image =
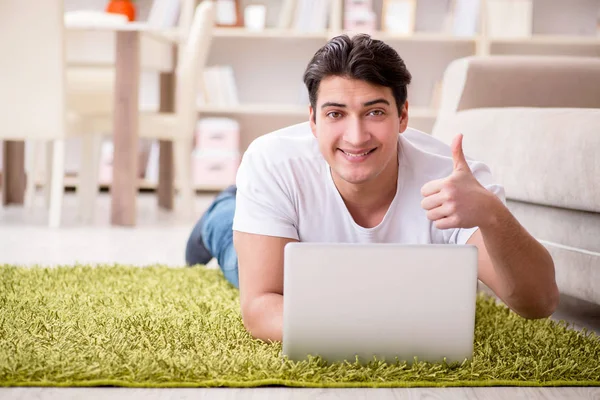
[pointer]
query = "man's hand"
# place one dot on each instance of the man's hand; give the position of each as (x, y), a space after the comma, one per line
(459, 200)
(510, 261)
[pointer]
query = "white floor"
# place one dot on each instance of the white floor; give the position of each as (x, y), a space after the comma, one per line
(160, 237)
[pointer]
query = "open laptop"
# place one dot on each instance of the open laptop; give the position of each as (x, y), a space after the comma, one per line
(343, 301)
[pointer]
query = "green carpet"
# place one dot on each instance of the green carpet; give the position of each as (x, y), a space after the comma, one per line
(181, 327)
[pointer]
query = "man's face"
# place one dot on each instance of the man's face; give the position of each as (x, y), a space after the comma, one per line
(357, 126)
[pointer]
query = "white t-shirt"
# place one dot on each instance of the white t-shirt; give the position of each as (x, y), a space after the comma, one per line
(285, 189)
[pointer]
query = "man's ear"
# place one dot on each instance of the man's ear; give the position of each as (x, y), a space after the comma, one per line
(313, 124)
(404, 117)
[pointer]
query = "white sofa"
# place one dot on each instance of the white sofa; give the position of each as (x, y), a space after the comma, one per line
(535, 120)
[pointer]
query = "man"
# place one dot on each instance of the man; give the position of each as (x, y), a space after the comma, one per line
(349, 176)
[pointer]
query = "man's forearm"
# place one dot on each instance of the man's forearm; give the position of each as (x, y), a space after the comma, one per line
(525, 267)
(264, 319)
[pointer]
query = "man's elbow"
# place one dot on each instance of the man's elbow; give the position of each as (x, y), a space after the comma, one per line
(249, 318)
(263, 317)
(542, 306)
(253, 321)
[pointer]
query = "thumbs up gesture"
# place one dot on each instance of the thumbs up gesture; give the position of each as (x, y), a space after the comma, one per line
(459, 200)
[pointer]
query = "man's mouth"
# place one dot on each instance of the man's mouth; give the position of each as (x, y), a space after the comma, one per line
(358, 154)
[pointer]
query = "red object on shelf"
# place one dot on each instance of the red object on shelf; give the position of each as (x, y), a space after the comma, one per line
(124, 7)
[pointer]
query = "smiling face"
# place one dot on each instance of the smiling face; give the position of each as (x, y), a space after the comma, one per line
(356, 125)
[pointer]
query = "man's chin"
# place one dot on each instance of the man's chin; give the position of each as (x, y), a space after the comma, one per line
(355, 179)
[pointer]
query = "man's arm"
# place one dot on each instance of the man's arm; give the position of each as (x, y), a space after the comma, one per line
(511, 262)
(260, 266)
(515, 265)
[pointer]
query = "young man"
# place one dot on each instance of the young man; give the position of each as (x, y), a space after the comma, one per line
(349, 176)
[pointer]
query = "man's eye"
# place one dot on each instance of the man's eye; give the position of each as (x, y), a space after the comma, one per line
(376, 112)
(334, 114)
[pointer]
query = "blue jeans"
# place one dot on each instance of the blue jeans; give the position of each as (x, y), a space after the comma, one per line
(214, 232)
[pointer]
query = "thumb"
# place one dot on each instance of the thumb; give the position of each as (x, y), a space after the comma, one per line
(460, 162)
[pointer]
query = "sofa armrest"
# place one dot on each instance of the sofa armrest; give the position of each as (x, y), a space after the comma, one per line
(548, 156)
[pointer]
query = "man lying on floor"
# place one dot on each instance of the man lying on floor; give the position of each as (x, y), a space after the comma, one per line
(348, 176)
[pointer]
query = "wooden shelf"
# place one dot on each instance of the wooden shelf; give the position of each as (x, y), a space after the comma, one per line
(425, 38)
(257, 109)
(550, 40)
(290, 110)
(242, 33)
(270, 33)
(418, 37)
(71, 182)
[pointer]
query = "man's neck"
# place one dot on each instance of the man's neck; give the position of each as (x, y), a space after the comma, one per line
(368, 202)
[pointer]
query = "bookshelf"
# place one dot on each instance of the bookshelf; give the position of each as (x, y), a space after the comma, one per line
(268, 64)
(269, 89)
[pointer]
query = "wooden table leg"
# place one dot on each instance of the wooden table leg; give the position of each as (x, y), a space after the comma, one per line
(166, 176)
(124, 184)
(165, 189)
(13, 172)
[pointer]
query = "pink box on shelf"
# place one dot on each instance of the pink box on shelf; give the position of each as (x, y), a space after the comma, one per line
(360, 22)
(215, 168)
(357, 5)
(218, 134)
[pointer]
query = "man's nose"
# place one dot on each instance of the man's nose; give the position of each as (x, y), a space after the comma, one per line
(356, 133)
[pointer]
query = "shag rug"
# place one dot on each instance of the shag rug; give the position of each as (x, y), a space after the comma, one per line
(181, 327)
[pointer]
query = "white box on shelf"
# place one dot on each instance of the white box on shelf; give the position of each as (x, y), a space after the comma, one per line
(255, 16)
(215, 168)
(398, 16)
(509, 18)
(218, 133)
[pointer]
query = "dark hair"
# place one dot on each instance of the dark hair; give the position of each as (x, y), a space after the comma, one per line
(359, 57)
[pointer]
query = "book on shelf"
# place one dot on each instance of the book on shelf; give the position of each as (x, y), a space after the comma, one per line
(286, 15)
(398, 16)
(305, 15)
(433, 16)
(218, 87)
(509, 18)
(465, 17)
(164, 13)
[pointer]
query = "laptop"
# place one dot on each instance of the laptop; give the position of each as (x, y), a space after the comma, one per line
(349, 302)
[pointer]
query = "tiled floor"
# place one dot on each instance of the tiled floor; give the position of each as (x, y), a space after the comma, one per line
(160, 237)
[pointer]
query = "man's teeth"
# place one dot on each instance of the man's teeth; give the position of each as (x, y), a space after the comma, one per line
(357, 155)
